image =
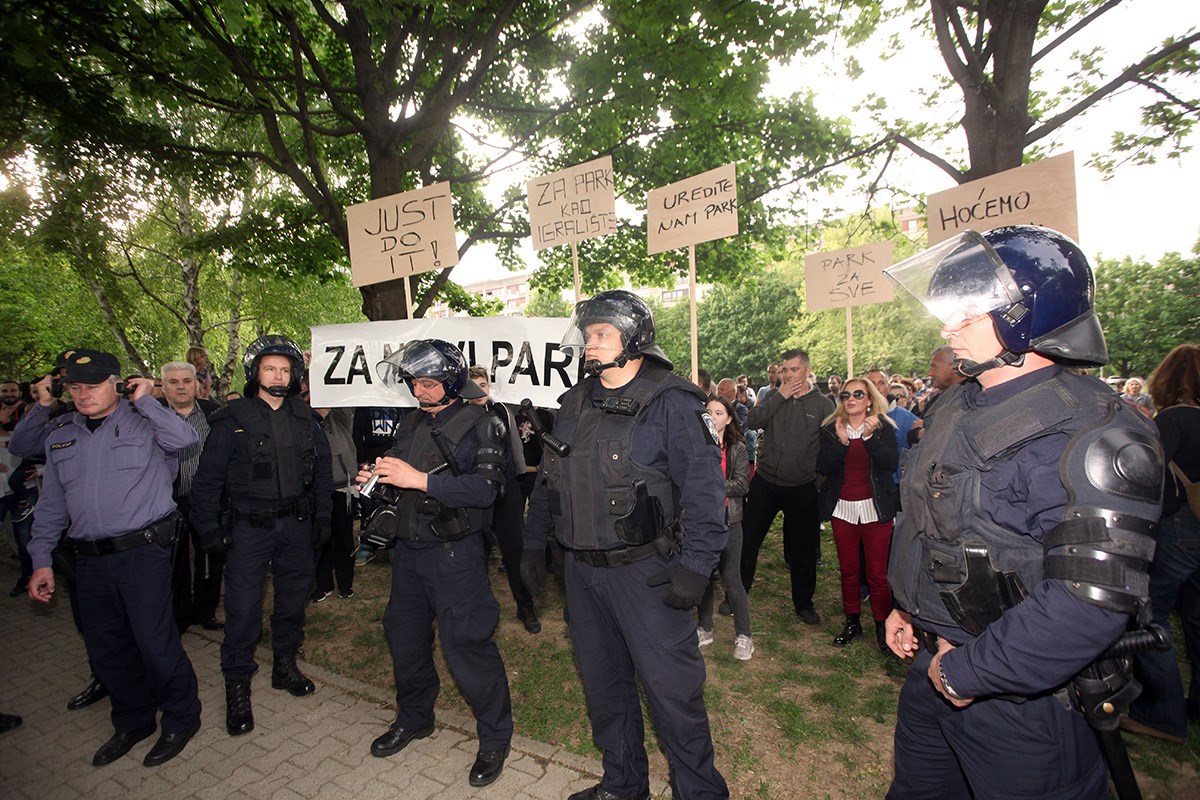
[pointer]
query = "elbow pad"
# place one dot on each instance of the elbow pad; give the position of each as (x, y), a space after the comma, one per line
(1102, 550)
(489, 459)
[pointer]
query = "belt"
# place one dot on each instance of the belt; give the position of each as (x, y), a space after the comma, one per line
(615, 558)
(265, 517)
(115, 544)
(928, 639)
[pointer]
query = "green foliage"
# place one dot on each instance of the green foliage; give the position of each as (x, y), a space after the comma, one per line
(1147, 309)
(547, 303)
(364, 99)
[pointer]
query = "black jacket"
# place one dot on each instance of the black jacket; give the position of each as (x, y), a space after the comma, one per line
(884, 453)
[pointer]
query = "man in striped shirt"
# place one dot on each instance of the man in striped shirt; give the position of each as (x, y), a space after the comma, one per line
(197, 591)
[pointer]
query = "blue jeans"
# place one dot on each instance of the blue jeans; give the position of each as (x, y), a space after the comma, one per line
(21, 531)
(1174, 579)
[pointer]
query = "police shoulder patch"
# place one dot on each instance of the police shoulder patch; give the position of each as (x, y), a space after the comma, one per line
(709, 427)
(61, 445)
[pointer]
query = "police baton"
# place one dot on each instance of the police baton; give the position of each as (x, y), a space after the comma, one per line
(539, 430)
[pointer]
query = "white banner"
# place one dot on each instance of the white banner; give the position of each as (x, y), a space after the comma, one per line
(520, 353)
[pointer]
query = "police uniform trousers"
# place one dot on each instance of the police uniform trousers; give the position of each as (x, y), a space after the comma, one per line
(622, 632)
(286, 548)
(447, 582)
(992, 748)
(124, 602)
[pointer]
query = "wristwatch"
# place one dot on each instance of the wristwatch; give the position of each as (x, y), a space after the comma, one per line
(946, 684)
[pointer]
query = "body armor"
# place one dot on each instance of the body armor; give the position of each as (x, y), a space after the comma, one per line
(953, 566)
(275, 457)
(420, 518)
(600, 498)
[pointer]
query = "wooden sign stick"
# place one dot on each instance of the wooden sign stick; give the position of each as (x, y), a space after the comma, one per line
(692, 303)
(849, 345)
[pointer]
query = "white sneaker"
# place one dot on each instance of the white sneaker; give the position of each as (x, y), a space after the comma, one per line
(703, 637)
(743, 647)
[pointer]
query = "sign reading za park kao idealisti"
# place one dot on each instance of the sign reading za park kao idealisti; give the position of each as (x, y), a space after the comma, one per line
(402, 234)
(694, 210)
(573, 204)
(1041, 193)
(521, 354)
(849, 277)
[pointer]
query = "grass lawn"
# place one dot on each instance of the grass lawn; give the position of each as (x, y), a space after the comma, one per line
(800, 720)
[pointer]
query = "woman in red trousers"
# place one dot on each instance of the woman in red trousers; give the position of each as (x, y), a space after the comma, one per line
(857, 457)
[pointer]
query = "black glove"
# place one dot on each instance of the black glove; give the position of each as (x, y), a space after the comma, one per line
(322, 533)
(533, 569)
(687, 587)
(214, 541)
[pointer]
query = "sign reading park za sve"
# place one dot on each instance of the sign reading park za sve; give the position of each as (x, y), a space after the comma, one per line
(849, 277)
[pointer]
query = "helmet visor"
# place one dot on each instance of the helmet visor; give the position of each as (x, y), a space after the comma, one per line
(412, 360)
(957, 279)
(589, 313)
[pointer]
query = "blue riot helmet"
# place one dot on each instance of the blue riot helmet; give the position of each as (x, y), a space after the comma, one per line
(1034, 283)
(430, 358)
(272, 345)
(626, 312)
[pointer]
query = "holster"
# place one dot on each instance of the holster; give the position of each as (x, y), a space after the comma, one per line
(985, 594)
(644, 522)
(166, 531)
(63, 558)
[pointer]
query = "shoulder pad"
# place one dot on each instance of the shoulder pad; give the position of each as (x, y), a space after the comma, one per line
(492, 429)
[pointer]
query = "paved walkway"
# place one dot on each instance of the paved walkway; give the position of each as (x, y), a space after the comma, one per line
(301, 748)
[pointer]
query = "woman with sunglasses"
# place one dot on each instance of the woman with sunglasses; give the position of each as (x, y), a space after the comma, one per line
(857, 457)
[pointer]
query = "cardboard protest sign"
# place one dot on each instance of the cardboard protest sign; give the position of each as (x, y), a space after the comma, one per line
(402, 234)
(849, 277)
(573, 204)
(697, 209)
(1041, 193)
(521, 354)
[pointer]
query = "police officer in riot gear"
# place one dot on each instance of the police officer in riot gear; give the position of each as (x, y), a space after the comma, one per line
(1031, 504)
(643, 454)
(267, 453)
(448, 464)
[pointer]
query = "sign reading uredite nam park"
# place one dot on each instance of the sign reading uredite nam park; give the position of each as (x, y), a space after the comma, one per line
(694, 210)
(402, 234)
(850, 277)
(573, 204)
(1041, 193)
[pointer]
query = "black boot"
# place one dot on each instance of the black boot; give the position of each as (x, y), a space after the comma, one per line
(286, 675)
(529, 618)
(850, 631)
(239, 718)
(881, 637)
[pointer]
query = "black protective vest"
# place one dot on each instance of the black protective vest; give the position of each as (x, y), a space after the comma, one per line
(595, 485)
(415, 510)
(1108, 469)
(275, 457)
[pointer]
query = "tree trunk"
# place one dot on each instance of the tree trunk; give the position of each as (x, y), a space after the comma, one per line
(235, 331)
(190, 268)
(116, 327)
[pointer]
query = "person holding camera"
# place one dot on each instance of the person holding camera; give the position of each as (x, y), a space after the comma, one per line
(109, 468)
(440, 481)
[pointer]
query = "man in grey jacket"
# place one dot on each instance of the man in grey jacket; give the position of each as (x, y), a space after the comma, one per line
(785, 479)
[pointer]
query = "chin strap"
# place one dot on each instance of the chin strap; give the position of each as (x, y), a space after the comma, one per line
(278, 391)
(594, 367)
(971, 369)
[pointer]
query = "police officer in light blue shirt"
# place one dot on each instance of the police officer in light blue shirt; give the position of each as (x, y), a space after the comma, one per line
(109, 468)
